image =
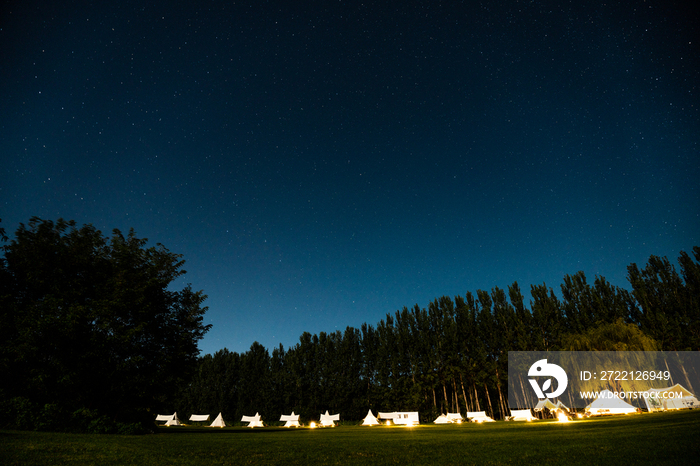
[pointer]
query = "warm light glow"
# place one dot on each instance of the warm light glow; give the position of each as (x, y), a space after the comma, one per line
(312, 425)
(562, 417)
(579, 415)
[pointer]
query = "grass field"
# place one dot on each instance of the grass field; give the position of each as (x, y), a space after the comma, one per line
(660, 438)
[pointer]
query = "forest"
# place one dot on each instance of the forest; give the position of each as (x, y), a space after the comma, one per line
(93, 338)
(453, 355)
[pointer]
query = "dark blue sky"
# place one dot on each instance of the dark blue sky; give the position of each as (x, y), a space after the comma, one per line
(322, 163)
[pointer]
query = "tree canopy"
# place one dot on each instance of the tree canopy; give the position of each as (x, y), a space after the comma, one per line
(90, 324)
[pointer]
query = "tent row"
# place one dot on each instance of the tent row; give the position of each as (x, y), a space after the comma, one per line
(410, 418)
(290, 420)
(607, 403)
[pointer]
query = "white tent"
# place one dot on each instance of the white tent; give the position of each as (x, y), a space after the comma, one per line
(449, 418)
(370, 420)
(676, 397)
(174, 421)
(291, 420)
(328, 420)
(609, 403)
(521, 415)
(199, 418)
(218, 422)
(164, 417)
(542, 404)
(408, 418)
(170, 419)
(478, 416)
(551, 407)
(253, 421)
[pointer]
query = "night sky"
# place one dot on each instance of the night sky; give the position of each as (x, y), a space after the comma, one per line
(320, 164)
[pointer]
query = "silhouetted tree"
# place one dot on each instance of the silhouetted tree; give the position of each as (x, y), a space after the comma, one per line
(90, 322)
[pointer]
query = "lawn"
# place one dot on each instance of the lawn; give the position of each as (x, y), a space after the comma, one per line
(660, 438)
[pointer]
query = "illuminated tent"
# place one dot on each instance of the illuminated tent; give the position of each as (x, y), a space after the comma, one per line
(170, 419)
(291, 420)
(163, 417)
(199, 418)
(218, 422)
(521, 415)
(253, 421)
(676, 397)
(328, 420)
(449, 418)
(542, 404)
(478, 416)
(174, 421)
(609, 403)
(370, 420)
(408, 418)
(551, 407)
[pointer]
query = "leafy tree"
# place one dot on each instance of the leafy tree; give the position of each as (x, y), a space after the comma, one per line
(614, 336)
(91, 322)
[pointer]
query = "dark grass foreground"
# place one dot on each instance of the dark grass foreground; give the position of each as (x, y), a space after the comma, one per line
(660, 438)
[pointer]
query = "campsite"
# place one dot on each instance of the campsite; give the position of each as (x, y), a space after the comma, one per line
(649, 438)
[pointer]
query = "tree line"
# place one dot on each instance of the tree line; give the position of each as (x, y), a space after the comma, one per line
(93, 337)
(452, 355)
